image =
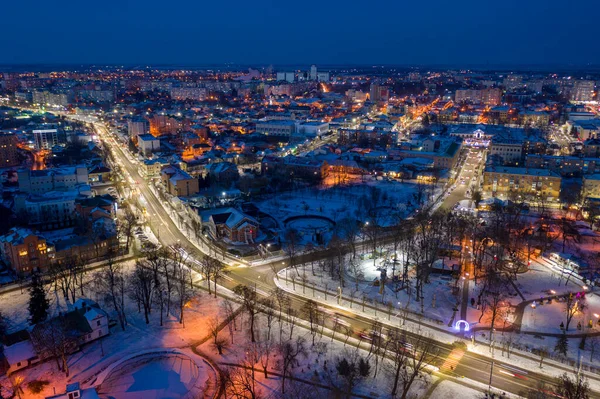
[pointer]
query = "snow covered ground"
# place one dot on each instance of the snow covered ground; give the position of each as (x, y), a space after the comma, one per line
(97, 355)
(396, 199)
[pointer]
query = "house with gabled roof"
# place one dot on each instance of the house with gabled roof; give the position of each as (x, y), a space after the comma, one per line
(233, 225)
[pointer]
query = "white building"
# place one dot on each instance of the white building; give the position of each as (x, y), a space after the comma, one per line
(189, 93)
(137, 127)
(313, 129)
(55, 209)
(148, 144)
(313, 72)
(511, 151)
(43, 181)
(45, 139)
(284, 128)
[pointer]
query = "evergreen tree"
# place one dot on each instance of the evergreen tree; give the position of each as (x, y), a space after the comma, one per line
(562, 345)
(582, 343)
(38, 303)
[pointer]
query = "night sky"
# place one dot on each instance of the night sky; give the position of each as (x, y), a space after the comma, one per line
(483, 32)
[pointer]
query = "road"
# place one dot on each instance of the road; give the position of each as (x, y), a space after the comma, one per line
(466, 179)
(469, 365)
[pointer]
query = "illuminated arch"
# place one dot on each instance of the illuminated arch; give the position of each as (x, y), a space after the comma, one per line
(461, 322)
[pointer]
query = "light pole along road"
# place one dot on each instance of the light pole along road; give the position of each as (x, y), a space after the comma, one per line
(472, 366)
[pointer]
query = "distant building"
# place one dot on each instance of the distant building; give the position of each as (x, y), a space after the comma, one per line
(583, 90)
(313, 72)
(137, 127)
(378, 93)
(485, 96)
(8, 150)
(313, 129)
(282, 128)
(189, 93)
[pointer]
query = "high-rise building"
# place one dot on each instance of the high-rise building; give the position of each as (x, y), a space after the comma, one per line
(290, 77)
(137, 127)
(8, 150)
(313, 72)
(378, 93)
(45, 139)
(583, 90)
(323, 76)
(486, 96)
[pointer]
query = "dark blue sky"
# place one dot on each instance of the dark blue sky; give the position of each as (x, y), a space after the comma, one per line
(463, 32)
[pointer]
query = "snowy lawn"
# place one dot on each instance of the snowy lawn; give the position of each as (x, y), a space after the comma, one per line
(97, 355)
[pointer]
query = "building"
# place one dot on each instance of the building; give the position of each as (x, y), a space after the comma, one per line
(367, 138)
(233, 225)
(152, 167)
(189, 93)
(179, 183)
(323, 77)
(583, 90)
(46, 98)
(85, 323)
(525, 183)
(148, 144)
(137, 127)
(295, 167)
(25, 251)
(313, 129)
(591, 186)
(50, 210)
(222, 172)
(73, 391)
(443, 153)
(485, 96)
(8, 150)
(99, 174)
(509, 151)
(54, 179)
(45, 139)
(313, 72)
(379, 93)
(278, 128)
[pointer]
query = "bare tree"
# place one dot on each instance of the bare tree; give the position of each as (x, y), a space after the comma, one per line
(573, 303)
(423, 353)
(110, 285)
(310, 311)
(230, 313)
(214, 328)
(142, 287)
(239, 381)
(290, 351)
(250, 303)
